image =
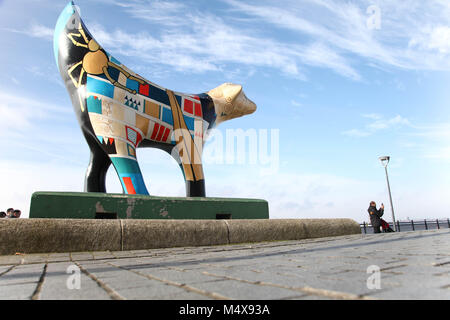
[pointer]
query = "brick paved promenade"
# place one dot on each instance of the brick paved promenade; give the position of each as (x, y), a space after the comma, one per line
(413, 265)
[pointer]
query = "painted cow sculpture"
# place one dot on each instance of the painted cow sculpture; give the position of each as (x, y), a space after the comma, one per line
(119, 111)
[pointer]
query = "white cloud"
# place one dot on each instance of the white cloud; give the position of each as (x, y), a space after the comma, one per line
(413, 34)
(326, 34)
(36, 128)
(356, 133)
(158, 12)
(296, 103)
(436, 145)
(440, 39)
(208, 47)
(40, 31)
(20, 113)
(379, 123)
(35, 30)
(438, 131)
(374, 116)
(434, 38)
(440, 154)
(201, 41)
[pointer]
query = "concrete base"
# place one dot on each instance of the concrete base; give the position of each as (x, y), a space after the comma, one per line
(76, 235)
(84, 205)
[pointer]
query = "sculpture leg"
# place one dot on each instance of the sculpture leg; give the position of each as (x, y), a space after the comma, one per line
(186, 152)
(194, 179)
(130, 175)
(195, 188)
(99, 163)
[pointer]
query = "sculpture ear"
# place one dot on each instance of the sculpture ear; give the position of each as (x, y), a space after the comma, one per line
(231, 92)
(227, 91)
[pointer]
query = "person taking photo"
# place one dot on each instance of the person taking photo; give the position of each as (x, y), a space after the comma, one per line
(375, 216)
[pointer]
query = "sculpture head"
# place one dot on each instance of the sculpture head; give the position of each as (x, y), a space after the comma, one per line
(230, 102)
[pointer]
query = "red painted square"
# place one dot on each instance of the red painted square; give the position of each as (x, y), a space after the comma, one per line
(166, 134)
(144, 89)
(160, 133)
(129, 185)
(155, 131)
(198, 109)
(188, 106)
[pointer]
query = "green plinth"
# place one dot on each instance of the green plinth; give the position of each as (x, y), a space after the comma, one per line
(89, 205)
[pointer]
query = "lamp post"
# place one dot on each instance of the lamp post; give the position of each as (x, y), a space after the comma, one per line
(384, 161)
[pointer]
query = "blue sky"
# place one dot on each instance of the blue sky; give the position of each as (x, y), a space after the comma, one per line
(340, 93)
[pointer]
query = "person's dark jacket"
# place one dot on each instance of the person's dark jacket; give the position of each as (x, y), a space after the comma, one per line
(375, 216)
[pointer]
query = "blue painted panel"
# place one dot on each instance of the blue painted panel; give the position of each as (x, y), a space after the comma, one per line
(114, 60)
(94, 105)
(128, 168)
(167, 116)
(133, 85)
(189, 122)
(125, 165)
(100, 87)
(60, 26)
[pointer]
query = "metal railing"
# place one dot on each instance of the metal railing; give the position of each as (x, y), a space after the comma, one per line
(412, 225)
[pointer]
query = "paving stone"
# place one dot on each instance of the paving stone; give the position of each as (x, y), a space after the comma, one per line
(123, 254)
(405, 293)
(184, 296)
(239, 290)
(10, 260)
(58, 258)
(22, 274)
(5, 268)
(57, 285)
(311, 297)
(20, 282)
(18, 291)
(103, 255)
(185, 277)
(154, 290)
(33, 258)
(82, 256)
(114, 277)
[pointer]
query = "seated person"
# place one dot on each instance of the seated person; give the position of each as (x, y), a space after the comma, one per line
(9, 212)
(16, 214)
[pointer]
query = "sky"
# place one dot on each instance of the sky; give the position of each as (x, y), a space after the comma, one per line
(337, 85)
